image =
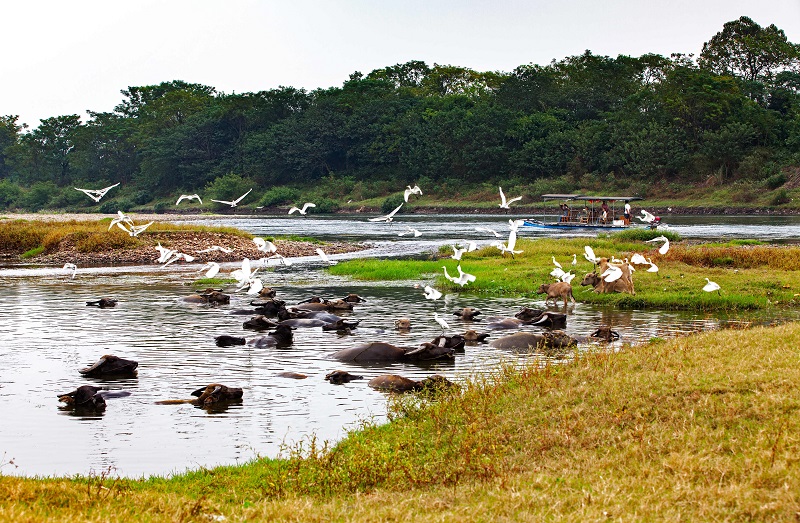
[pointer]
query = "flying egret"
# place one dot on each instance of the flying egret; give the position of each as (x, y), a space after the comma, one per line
(136, 230)
(613, 273)
(472, 246)
(244, 274)
(457, 253)
(411, 190)
(711, 287)
(589, 255)
(121, 218)
(234, 202)
(213, 269)
(638, 259)
(70, 267)
(264, 245)
(217, 248)
(283, 261)
(664, 248)
(556, 263)
(440, 321)
(166, 254)
(96, 194)
(646, 217)
(410, 230)
(389, 217)
(189, 197)
(325, 258)
(431, 293)
(178, 256)
(557, 273)
(463, 277)
(254, 286)
(504, 204)
(302, 210)
(567, 277)
(490, 231)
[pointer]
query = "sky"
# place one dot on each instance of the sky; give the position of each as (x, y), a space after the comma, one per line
(63, 58)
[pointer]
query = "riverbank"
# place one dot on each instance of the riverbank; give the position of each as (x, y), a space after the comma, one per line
(50, 239)
(699, 428)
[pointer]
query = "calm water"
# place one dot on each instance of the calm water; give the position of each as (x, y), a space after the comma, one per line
(47, 334)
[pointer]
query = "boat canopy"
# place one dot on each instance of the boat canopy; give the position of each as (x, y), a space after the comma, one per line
(589, 198)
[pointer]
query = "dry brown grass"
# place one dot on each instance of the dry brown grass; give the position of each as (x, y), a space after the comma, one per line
(784, 258)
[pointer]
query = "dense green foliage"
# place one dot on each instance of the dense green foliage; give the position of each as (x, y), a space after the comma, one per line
(587, 121)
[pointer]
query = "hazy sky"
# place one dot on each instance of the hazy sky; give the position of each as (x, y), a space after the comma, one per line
(64, 57)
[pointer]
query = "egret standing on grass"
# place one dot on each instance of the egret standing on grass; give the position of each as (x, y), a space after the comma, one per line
(711, 287)
(235, 202)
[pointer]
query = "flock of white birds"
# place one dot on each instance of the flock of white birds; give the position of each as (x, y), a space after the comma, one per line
(246, 279)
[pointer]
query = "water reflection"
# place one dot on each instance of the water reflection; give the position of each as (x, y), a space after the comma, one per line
(48, 333)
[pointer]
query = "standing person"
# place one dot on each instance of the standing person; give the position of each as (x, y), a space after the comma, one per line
(627, 213)
(604, 208)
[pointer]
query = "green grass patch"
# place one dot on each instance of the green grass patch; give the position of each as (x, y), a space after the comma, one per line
(213, 282)
(30, 253)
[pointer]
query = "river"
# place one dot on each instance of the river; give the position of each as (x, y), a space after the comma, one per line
(47, 334)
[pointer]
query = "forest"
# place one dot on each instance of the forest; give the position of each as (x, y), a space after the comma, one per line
(645, 125)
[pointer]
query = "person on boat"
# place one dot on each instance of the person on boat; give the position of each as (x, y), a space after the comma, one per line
(565, 211)
(627, 213)
(604, 215)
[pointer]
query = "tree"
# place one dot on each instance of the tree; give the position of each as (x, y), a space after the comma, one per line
(746, 50)
(9, 137)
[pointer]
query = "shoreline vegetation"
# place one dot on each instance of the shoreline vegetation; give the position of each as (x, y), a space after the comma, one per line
(699, 428)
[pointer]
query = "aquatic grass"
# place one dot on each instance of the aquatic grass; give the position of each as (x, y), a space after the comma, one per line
(30, 253)
(698, 428)
(758, 277)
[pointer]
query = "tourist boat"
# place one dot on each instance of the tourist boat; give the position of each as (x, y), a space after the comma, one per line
(581, 211)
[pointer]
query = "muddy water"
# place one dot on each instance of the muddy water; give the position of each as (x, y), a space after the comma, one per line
(47, 333)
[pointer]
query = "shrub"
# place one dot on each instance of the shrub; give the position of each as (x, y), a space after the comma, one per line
(642, 235)
(780, 197)
(390, 203)
(229, 187)
(279, 195)
(38, 196)
(112, 206)
(326, 205)
(142, 197)
(9, 194)
(775, 181)
(69, 197)
(160, 207)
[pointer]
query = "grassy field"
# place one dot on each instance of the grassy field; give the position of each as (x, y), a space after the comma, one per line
(700, 428)
(751, 275)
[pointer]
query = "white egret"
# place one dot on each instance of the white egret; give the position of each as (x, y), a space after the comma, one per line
(121, 218)
(653, 266)
(165, 254)
(213, 269)
(324, 257)
(431, 293)
(463, 277)
(178, 256)
(555, 262)
(264, 245)
(638, 259)
(446, 275)
(217, 248)
(302, 210)
(283, 261)
(189, 197)
(574, 259)
(472, 246)
(504, 204)
(711, 287)
(557, 273)
(490, 231)
(440, 321)
(457, 253)
(96, 194)
(136, 230)
(411, 190)
(234, 202)
(589, 255)
(664, 248)
(243, 275)
(389, 217)
(613, 273)
(410, 230)
(254, 286)
(70, 267)
(567, 277)
(646, 217)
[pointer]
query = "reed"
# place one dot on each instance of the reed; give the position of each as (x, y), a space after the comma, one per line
(699, 428)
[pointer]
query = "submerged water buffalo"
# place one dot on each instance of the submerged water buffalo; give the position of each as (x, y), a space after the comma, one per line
(467, 313)
(211, 296)
(338, 377)
(473, 336)
(89, 398)
(395, 383)
(496, 323)
(542, 318)
(281, 337)
(455, 342)
(535, 340)
(381, 351)
(209, 395)
(103, 303)
(270, 308)
(228, 341)
(110, 365)
(604, 333)
(260, 323)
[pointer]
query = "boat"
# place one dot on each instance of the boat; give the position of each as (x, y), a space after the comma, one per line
(592, 212)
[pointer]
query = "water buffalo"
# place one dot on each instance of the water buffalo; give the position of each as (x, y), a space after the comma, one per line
(381, 351)
(473, 336)
(110, 365)
(353, 298)
(269, 308)
(103, 303)
(84, 397)
(534, 340)
(212, 296)
(292, 375)
(542, 318)
(467, 313)
(495, 323)
(395, 383)
(402, 324)
(604, 333)
(259, 323)
(228, 341)
(455, 342)
(209, 395)
(339, 377)
(281, 337)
